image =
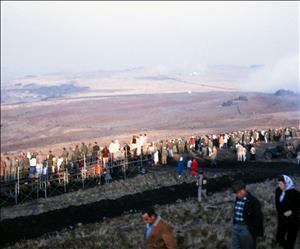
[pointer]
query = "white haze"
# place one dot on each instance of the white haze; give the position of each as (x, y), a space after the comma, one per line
(80, 36)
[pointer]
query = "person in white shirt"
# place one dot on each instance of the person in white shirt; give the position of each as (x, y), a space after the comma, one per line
(32, 169)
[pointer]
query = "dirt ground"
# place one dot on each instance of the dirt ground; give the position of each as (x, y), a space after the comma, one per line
(55, 124)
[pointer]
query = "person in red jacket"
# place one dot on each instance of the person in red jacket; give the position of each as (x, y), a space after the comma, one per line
(194, 168)
(105, 156)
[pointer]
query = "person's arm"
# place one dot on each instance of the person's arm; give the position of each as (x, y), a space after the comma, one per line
(169, 238)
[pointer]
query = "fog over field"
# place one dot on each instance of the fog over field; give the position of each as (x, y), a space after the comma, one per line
(254, 42)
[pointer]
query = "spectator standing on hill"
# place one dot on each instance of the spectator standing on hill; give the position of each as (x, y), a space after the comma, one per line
(83, 150)
(156, 157)
(39, 163)
(252, 153)
(105, 156)
(13, 169)
(96, 150)
(170, 149)
(7, 163)
(50, 157)
(247, 218)
(158, 233)
(70, 159)
(189, 166)
(194, 168)
(213, 156)
(164, 156)
(287, 200)
(2, 170)
(89, 154)
(32, 170)
(24, 164)
(107, 177)
(201, 183)
(65, 155)
(226, 137)
(221, 142)
(180, 167)
(76, 153)
(239, 152)
(298, 158)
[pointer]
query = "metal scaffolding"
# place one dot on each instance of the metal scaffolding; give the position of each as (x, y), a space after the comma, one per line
(25, 187)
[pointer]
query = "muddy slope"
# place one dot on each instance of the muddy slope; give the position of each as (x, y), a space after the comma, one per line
(13, 230)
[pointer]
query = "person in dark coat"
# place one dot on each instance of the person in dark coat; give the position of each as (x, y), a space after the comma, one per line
(247, 218)
(287, 200)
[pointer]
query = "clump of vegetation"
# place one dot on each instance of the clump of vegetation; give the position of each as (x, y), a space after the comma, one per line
(231, 102)
(242, 98)
(283, 92)
(227, 103)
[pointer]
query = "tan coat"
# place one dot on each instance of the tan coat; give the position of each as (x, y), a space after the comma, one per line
(161, 236)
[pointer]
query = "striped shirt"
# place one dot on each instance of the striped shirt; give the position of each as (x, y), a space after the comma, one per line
(238, 210)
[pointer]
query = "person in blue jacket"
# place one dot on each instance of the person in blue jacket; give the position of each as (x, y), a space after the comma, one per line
(180, 167)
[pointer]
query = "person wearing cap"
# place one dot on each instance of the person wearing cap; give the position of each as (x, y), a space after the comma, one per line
(247, 218)
(287, 200)
(158, 233)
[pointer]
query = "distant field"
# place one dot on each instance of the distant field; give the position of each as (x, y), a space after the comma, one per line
(53, 124)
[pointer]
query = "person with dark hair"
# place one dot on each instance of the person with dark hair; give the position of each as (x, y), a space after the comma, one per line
(247, 218)
(105, 156)
(158, 232)
(252, 152)
(96, 150)
(287, 200)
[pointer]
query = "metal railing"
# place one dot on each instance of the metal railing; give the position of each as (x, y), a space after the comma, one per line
(80, 174)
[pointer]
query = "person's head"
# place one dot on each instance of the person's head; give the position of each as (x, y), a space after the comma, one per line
(149, 215)
(239, 189)
(284, 182)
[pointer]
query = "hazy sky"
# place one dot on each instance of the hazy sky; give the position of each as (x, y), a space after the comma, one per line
(44, 37)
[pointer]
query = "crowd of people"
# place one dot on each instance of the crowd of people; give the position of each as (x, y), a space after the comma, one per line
(35, 164)
(247, 217)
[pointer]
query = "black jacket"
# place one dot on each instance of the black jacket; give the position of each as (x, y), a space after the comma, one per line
(253, 216)
(291, 202)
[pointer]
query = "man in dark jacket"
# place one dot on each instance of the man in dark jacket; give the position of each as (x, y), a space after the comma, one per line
(247, 218)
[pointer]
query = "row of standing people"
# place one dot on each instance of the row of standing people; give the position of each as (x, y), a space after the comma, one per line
(162, 150)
